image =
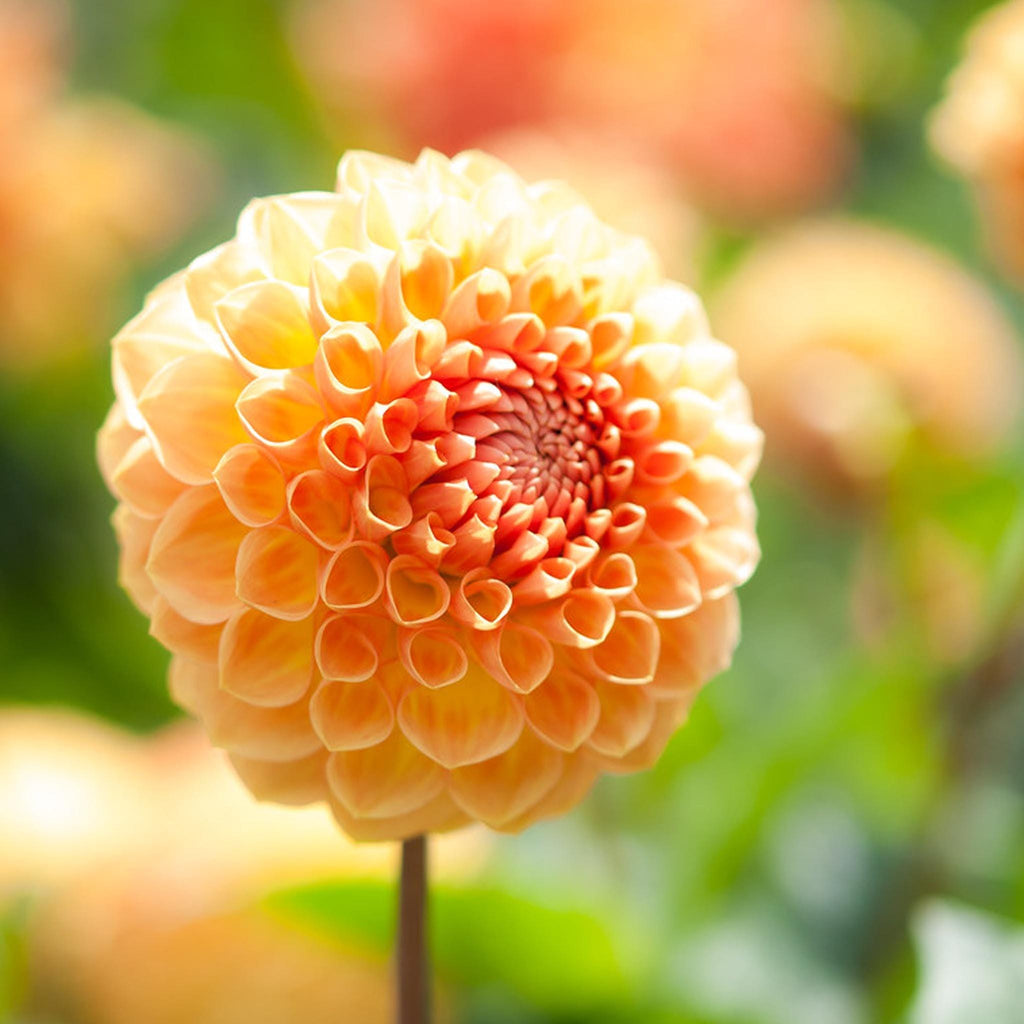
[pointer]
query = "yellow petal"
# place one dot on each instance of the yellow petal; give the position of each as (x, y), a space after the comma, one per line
(414, 594)
(319, 506)
(266, 326)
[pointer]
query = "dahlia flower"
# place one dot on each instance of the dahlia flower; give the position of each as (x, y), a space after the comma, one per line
(436, 491)
(87, 186)
(979, 127)
(737, 98)
(854, 338)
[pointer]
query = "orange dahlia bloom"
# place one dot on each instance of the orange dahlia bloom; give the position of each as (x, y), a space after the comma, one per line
(86, 187)
(437, 492)
(854, 339)
(979, 127)
(737, 98)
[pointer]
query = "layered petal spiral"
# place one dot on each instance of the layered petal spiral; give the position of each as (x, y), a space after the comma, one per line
(437, 492)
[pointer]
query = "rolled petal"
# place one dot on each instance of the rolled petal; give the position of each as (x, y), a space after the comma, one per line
(276, 572)
(516, 656)
(582, 619)
(341, 449)
(319, 508)
(481, 601)
(381, 503)
(349, 647)
(348, 368)
(414, 594)
(354, 577)
(469, 721)
(192, 556)
(432, 655)
(345, 286)
(265, 661)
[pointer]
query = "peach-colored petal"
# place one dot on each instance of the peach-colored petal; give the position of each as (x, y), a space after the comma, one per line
(578, 774)
(469, 721)
(386, 780)
(481, 601)
(265, 661)
(282, 413)
(414, 594)
(516, 656)
(192, 640)
(440, 815)
(341, 449)
(201, 390)
(348, 368)
(318, 504)
(252, 485)
(348, 647)
(294, 783)
(667, 585)
(627, 714)
(354, 577)
(582, 619)
(263, 734)
(277, 572)
(266, 326)
(351, 715)
(345, 286)
(564, 710)
(432, 655)
(501, 788)
(135, 536)
(142, 482)
(192, 557)
(425, 538)
(381, 504)
(630, 653)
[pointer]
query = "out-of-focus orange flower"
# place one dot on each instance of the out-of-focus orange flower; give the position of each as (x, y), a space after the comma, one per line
(737, 97)
(853, 338)
(86, 187)
(624, 189)
(437, 492)
(141, 855)
(979, 127)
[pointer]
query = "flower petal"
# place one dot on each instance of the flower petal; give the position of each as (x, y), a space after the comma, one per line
(276, 572)
(264, 660)
(351, 716)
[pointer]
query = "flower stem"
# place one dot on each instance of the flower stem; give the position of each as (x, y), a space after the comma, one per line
(413, 983)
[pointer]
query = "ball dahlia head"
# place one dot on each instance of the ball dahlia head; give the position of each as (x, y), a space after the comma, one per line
(437, 492)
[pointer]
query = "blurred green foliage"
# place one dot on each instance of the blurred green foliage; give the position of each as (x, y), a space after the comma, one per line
(767, 870)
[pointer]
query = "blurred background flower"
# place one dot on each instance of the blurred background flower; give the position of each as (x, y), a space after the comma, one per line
(838, 833)
(738, 98)
(87, 188)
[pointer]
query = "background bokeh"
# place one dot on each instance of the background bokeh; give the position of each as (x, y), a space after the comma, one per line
(837, 835)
